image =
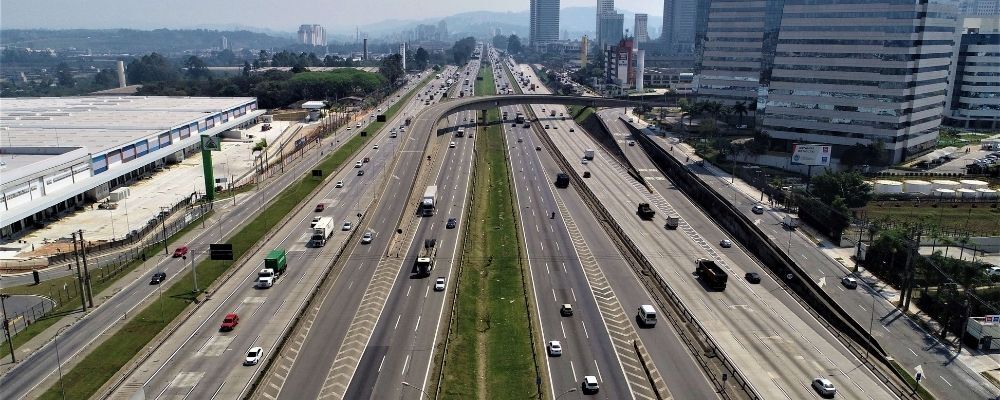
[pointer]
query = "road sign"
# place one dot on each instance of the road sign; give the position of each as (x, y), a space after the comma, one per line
(992, 319)
(811, 154)
(211, 143)
(220, 251)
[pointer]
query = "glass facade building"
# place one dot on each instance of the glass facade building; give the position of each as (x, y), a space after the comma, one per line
(544, 23)
(840, 72)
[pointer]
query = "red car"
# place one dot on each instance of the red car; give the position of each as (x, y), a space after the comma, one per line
(320, 207)
(180, 251)
(230, 322)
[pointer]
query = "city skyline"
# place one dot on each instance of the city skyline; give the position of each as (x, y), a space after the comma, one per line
(22, 14)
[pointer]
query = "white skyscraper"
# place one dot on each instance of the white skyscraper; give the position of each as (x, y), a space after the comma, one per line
(604, 7)
(544, 24)
(641, 33)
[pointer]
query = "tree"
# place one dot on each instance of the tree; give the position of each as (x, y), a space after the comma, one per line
(226, 57)
(514, 45)
(392, 68)
(420, 58)
(151, 68)
(500, 41)
(461, 51)
(106, 78)
(246, 68)
(196, 68)
(64, 76)
(849, 186)
(741, 110)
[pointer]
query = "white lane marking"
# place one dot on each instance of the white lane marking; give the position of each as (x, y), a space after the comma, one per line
(574, 371)
(585, 333)
(397, 322)
(380, 364)
(598, 371)
(554, 296)
(408, 290)
(405, 363)
(417, 326)
(573, 292)
(946, 381)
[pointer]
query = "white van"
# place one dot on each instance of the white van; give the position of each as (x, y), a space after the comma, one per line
(646, 315)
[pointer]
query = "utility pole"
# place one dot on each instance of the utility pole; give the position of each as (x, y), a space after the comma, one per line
(86, 272)
(163, 223)
(6, 326)
(79, 275)
(194, 272)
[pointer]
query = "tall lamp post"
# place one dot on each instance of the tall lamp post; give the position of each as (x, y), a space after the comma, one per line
(565, 393)
(6, 326)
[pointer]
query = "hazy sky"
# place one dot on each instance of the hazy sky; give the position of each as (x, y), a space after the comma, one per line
(279, 15)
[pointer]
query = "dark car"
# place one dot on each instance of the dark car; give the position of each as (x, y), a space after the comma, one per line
(157, 278)
(361, 172)
(451, 223)
(752, 277)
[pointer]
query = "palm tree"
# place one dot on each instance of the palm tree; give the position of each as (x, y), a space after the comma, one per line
(741, 110)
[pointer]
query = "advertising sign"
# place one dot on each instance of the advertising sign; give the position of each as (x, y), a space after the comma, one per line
(811, 154)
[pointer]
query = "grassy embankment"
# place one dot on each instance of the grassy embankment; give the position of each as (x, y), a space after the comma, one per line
(490, 354)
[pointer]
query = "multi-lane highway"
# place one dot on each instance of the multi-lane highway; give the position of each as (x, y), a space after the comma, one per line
(775, 343)
(907, 342)
(376, 326)
(198, 360)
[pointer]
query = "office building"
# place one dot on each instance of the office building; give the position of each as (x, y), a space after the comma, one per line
(974, 83)
(979, 8)
(544, 23)
(679, 20)
(223, 43)
(641, 31)
(817, 76)
(604, 7)
(611, 28)
(313, 35)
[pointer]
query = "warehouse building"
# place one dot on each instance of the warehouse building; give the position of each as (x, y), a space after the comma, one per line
(57, 154)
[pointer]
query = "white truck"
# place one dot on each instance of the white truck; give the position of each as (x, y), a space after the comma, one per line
(427, 203)
(790, 222)
(424, 263)
(322, 231)
(588, 154)
(265, 278)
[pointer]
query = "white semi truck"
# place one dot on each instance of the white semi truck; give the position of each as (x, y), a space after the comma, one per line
(322, 231)
(428, 202)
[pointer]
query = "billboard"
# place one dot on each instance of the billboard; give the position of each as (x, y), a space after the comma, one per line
(811, 154)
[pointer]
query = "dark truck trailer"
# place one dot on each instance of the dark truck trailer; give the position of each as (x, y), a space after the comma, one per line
(645, 211)
(562, 180)
(710, 273)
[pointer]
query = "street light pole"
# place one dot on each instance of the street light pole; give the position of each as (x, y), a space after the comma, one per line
(62, 386)
(565, 393)
(422, 392)
(6, 326)
(163, 223)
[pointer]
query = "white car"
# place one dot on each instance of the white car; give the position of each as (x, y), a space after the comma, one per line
(439, 284)
(347, 226)
(824, 387)
(358, 164)
(589, 384)
(253, 356)
(366, 238)
(451, 145)
(358, 125)
(339, 184)
(555, 348)
(375, 147)
(726, 243)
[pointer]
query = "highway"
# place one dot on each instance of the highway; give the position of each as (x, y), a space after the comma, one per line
(360, 351)
(778, 345)
(562, 278)
(907, 342)
(198, 361)
(79, 337)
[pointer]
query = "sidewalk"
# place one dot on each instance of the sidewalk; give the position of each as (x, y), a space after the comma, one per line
(973, 359)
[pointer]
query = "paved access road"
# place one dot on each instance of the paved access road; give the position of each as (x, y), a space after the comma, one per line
(773, 341)
(908, 343)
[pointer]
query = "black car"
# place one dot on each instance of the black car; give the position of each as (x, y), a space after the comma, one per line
(752, 277)
(451, 223)
(157, 278)
(361, 172)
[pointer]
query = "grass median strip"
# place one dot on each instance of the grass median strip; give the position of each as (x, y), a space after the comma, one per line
(87, 377)
(490, 354)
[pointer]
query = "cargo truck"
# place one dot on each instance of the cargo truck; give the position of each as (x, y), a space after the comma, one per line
(427, 203)
(562, 180)
(519, 118)
(274, 266)
(710, 273)
(588, 154)
(672, 222)
(645, 211)
(425, 261)
(552, 113)
(790, 222)
(321, 232)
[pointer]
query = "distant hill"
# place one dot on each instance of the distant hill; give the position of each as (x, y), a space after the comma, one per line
(575, 20)
(137, 41)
